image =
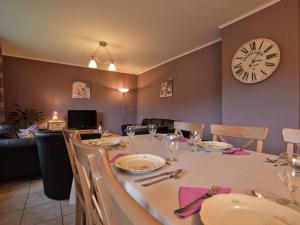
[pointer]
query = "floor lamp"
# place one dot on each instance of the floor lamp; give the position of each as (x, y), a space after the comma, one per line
(123, 91)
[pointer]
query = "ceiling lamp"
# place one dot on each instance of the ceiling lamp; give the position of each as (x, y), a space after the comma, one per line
(110, 61)
(123, 90)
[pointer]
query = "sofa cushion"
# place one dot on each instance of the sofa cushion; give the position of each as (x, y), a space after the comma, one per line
(7, 132)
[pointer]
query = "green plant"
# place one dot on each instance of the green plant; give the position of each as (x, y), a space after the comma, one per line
(24, 118)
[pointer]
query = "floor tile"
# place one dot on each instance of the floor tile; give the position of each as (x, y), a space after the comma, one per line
(55, 221)
(37, 199)
(40, 213)
(9, 205)
(36, 186)
(69, 219)
(67, 208)
(11, 218)
(13, 189)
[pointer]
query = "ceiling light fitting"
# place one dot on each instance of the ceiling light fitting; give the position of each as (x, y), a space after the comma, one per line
(110, 61)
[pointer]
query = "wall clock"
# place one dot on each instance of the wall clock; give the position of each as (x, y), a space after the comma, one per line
(255, 60)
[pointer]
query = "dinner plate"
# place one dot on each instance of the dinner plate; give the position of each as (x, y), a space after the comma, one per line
(215, 145)
(140, 163)
(107, 142)
(238, 209)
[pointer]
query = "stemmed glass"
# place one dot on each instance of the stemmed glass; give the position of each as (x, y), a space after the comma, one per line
(130, 131)
(152, 130)
(288, 170)
(171, 143)
(195, 137)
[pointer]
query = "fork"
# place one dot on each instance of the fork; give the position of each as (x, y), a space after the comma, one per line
(211, 192)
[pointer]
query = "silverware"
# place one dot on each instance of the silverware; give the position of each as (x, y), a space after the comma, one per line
(256, 194)
(271, 160)
(211, 192)
(175, 174)
(154, 176)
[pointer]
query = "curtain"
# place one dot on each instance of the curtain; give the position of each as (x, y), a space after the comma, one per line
(1, 89)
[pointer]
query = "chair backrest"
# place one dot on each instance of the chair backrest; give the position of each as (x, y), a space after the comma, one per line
(120, 207)
(85, 182)
(254, 134)
(292, 137)
(185, 126)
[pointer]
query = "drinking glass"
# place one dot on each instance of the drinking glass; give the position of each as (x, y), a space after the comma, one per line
(288, 170)
(130, 131)
(171, 145)
(195, 137)
(152, 130)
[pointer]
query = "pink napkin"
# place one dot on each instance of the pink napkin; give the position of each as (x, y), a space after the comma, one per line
(236, 151)
(118, 156)
(189, 194)
(183, 139)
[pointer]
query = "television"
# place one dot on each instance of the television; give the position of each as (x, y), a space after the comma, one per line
(82, 119)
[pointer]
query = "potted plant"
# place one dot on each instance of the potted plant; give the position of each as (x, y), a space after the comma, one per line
(24, 117)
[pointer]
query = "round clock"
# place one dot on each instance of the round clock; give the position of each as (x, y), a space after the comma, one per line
(255, 61)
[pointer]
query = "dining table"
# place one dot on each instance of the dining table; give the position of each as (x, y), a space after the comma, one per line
(240, 173)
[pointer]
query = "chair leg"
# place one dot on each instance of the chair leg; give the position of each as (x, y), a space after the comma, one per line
(78, 212)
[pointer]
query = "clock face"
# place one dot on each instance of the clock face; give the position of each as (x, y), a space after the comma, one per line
(255, 61)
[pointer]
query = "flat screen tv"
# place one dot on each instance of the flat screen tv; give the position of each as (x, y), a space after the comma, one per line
(82, 119)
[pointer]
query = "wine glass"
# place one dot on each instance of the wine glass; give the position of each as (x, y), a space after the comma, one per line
(288, 170)
(130, 131)
(195, 137)
(171, 145)
(152, 130)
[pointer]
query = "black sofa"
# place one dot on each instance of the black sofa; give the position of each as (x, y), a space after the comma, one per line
(163, 126)
(18, 156)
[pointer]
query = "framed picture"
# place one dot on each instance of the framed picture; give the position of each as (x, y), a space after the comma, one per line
(166, 88)
(81, 90)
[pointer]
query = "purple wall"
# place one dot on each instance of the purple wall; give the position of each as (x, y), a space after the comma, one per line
(274, 102)
(196, 85)
(48, 87)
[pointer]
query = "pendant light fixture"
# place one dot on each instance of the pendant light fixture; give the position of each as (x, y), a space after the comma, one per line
(110, 61)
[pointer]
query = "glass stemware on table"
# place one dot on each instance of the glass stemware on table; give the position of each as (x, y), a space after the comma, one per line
(195, 137)
(171, 144)
(288, 170)
(130, 131)
(152, 130)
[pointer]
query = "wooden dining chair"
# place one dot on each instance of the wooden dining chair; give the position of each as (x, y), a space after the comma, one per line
(253, 134)
(119, 207)
(85, 178)
(185, 126)
(80, 210)
(291, 137)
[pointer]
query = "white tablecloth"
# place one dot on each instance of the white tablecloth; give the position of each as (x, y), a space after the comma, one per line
(241, 173)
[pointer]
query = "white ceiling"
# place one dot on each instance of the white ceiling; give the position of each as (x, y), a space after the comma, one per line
(140, 33)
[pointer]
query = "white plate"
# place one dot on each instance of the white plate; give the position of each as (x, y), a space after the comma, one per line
(140, 163)
(215, 145)
(238, 209)
(107, 142)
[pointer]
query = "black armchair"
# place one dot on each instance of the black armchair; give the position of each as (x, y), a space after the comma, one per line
(55, 164)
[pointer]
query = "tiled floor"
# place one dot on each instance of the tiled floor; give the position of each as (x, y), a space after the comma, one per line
(24, 203)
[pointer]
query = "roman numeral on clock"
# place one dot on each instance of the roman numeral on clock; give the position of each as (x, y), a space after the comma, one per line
(244, 50)
(264, 72)
(252, 45)
(261, 44)
(238, 66)
(245, 76)
(269, 64)
(271, 56)
(268, 48)
(254, 77)
(239, 72)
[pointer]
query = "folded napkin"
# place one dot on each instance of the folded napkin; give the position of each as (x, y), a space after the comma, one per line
(236, 151)
(189, 194)
(118, 156)
(183, 139)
